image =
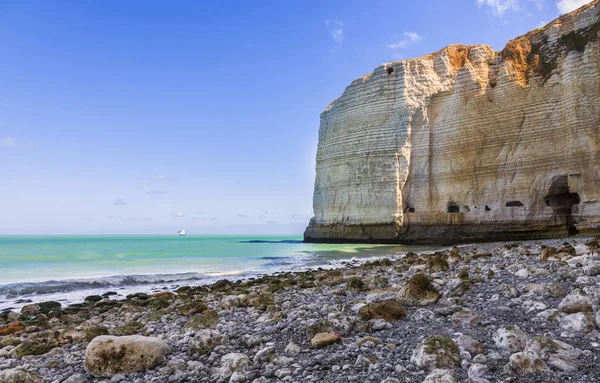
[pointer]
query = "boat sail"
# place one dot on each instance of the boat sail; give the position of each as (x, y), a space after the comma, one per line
(181, 233)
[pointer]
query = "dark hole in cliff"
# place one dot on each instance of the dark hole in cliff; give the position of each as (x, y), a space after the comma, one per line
(514, 204)
(411, 209)
(561, 200)
(390, 70)
(487, 208)
(466, 209)
(453, 209)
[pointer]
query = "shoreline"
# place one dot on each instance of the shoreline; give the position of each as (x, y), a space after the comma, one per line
(14, 295)
(485, 312)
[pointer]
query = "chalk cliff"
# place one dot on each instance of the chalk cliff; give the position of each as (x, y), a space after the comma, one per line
(467, 144)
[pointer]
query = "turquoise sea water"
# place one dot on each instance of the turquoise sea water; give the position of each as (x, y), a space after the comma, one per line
(66, 268)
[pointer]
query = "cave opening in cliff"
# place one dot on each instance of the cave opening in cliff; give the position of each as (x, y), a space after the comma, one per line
(487, 208)
(390, 70)
(453, 209)
(561, 200)
(514, 204)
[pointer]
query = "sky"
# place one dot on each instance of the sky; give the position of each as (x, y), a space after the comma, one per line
(152, 116)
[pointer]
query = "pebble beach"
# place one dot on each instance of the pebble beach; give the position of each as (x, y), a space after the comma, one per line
(502, 312)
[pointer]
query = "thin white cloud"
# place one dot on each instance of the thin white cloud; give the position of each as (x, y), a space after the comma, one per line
(566, 6)
(120, 218)
(164, 177)
(8, 142)
(242, 216)
(336, 31)
(409, 38)
(155, 192)
(500, 7)
(120, 202)
(177, 214)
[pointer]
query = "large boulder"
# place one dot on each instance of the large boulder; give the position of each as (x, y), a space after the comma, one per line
(578, 322)
(418, 291)
(193, 308)
(108, 355)
(577, 301)
(470, 345)
(207, 320)
(526, 362)
(558, 355)
(510, 339)
(335, 322)
(436, 351)
(17, 375)
(233, 362)
(206, 340)
(389, 310)
(324, 339)
(12, 328)
(465, 318)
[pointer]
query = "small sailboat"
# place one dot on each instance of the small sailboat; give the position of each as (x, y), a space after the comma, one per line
(181, 233)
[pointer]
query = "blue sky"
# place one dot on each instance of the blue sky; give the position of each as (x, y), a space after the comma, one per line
(151, 116)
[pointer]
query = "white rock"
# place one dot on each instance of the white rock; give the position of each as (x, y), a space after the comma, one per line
(380, 324)
(510, 339)
(14, 375)
(551, 314)
(380, 296)
(440, 376)
(233, 362)
(206, 340)
(557, 354)
(469, 344)
(265, 355)
(477, 371)
(465, 318)
(522, 273)
(362, 360)
(436, 352)
(233, 301)
(283, 361)
(579, 322)
(423, 315)
(531, 306)
(292, 348)
(108, 355)
(576, 301)
(525, 362)
(583, 260)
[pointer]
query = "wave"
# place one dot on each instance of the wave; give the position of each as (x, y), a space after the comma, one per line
(67, 285)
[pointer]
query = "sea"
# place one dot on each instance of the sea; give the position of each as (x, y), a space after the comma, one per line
(68, 268)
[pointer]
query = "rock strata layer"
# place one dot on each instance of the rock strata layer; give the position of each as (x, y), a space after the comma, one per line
(467, 144)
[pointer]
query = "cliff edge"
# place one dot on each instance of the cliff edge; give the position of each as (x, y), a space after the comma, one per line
(467, 144)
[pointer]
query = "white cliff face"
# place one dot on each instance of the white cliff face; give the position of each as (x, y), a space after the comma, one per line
(466, 144)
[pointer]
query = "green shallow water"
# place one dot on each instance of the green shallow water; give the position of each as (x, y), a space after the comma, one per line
(54, 264)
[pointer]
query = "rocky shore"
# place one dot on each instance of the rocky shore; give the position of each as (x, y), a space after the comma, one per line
(504, 312)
